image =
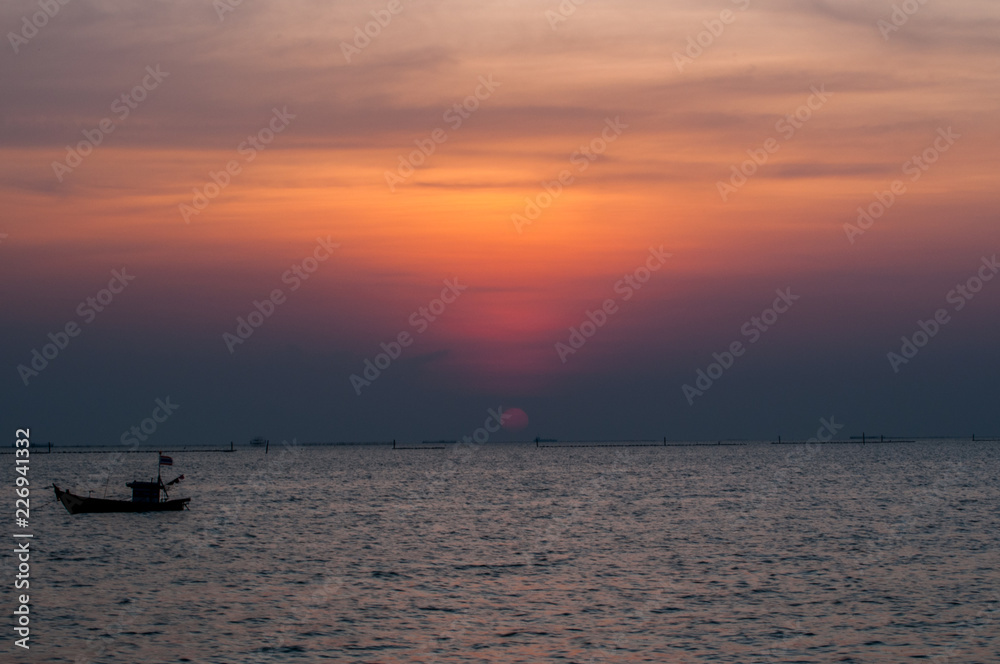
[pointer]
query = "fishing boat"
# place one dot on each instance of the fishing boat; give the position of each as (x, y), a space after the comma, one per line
(146, 497)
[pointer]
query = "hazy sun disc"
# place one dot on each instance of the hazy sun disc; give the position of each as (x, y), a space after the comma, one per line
(514, 419)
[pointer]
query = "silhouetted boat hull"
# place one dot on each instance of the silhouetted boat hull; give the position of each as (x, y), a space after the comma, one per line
(79, 505)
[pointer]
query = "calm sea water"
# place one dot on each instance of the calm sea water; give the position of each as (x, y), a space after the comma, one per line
(507, 553)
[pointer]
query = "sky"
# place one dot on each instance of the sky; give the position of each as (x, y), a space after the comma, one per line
(630, 220)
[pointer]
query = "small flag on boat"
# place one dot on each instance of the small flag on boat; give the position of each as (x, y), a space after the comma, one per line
(166, 461)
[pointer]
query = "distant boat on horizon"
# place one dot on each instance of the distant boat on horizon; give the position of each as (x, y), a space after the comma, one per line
(259, 441)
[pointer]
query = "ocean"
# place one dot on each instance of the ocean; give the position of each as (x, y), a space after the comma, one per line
(511, 553)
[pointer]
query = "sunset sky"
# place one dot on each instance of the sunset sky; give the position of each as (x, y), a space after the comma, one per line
(643, 108)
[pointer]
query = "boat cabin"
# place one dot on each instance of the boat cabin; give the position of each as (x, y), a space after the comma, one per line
(145, 492)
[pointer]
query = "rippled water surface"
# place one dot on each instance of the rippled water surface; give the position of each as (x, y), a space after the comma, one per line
(508, 553)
